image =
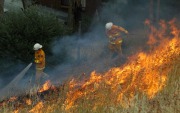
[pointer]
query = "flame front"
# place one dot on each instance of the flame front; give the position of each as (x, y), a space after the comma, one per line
(144, 72)
(37, 108)
(28, 101)
(45, 86)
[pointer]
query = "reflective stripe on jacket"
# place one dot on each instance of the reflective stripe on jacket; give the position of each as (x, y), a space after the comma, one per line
(116, 41)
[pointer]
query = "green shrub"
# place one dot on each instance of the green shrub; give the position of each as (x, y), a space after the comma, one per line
(19, 31)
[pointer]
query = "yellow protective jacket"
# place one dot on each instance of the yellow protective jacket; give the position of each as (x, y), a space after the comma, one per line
(40, 59)
(114, 34)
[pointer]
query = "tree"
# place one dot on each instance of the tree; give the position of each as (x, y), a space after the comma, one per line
(70, 14)
(1, 7)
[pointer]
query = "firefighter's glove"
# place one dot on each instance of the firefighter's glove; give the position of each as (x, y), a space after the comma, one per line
(126, 32)
(37, 61)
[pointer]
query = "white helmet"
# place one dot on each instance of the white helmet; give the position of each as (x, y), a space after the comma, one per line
(109, 25)
(37, 46)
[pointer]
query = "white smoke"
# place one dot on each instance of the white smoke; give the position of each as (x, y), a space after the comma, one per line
(83, 53)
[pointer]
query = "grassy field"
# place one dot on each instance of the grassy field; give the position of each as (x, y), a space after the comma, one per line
(166, 101)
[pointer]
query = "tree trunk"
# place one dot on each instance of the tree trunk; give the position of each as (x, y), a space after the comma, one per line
(1, 7)
(26, 3)
(70, 14)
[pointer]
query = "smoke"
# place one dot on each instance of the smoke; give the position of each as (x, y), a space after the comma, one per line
(83, 54)
(89, 52)
(0, 83)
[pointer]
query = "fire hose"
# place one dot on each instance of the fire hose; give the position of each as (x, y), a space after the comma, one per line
(7, 89)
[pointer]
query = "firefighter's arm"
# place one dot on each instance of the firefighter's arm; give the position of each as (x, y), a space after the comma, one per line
(122, 29)
(109, 35)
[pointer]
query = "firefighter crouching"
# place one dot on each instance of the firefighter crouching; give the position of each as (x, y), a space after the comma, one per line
(113, 33)
(39, 61)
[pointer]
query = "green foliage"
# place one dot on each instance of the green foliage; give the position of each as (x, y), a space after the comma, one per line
(19, 31)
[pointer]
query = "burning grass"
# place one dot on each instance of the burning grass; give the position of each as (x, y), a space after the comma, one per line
(148, 82)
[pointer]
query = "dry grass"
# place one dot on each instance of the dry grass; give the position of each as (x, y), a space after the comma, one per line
(102, 101)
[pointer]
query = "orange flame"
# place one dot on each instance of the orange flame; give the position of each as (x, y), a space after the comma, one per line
(37, 108)
(16, 111)
(12, 99)
(46, 86)
(28, 101)
(146, 73)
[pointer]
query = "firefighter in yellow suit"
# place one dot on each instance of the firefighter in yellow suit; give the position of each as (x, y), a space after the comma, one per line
(39, 61)
(113, 33)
